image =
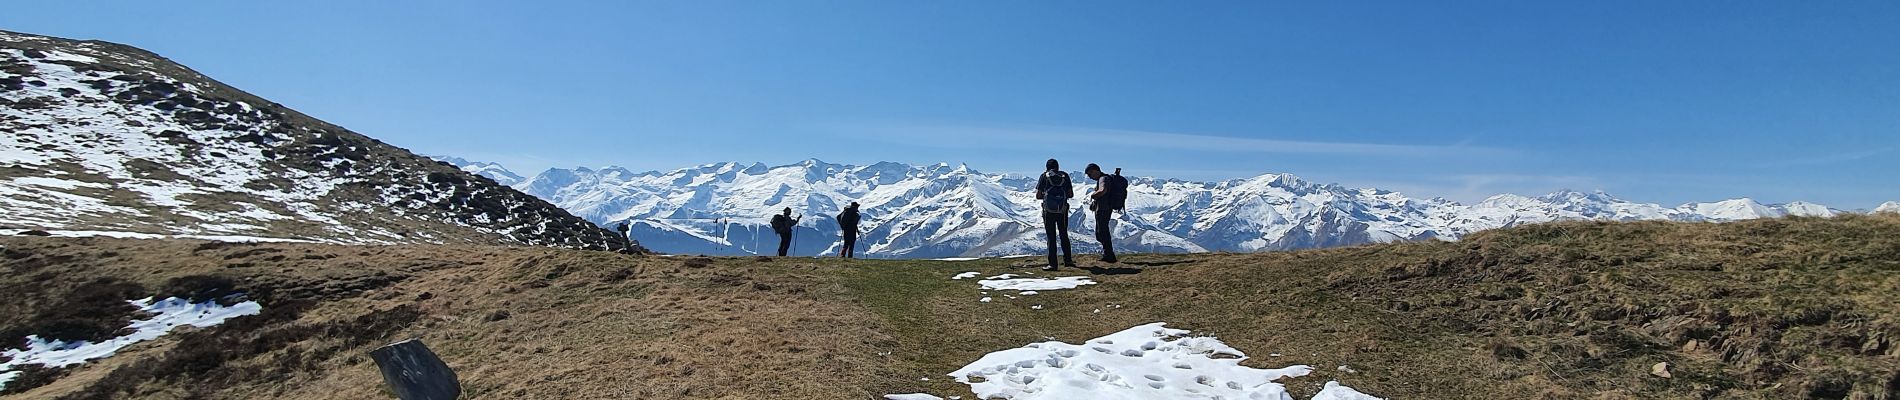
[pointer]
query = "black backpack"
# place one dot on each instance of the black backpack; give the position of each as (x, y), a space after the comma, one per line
(782, 224)
(1056, 199)
(1115, 192)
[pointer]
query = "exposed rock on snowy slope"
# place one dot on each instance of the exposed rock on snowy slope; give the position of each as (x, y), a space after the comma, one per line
(950, 211)
(106, 137)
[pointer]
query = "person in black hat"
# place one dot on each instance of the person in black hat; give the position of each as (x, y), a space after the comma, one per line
(848, 225)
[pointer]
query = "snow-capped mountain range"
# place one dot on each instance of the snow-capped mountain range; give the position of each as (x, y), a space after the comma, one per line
(109, 138)
(490, 170)
(947, 210)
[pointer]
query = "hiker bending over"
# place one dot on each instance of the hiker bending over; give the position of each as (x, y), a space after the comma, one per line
(848, 225)
(783, 224)
(1054, 191)
(1111, 194)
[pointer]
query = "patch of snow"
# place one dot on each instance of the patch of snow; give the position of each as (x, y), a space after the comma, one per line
(141, 235)
(67, 184)
(57, 55)
(911, 396)
(1028, 285)
(1335, 391)
(1144, 362)
(167, 314)
(956, 259)
(985, 299)
(966, 275)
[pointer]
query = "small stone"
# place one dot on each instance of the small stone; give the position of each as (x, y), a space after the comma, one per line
(1660, 370)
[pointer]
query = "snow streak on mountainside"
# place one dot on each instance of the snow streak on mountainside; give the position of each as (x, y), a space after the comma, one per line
(105, 137)
(952, 211)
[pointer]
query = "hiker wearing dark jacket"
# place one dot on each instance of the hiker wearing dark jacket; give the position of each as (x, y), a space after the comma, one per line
(848, 224)
(783, 224)
(1054, 191)
(1111, 193)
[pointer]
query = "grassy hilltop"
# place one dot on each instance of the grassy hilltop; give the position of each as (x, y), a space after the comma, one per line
(1779, 308)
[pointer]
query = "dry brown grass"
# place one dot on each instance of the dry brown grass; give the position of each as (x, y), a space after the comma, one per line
(1790, 308)
(577, 324)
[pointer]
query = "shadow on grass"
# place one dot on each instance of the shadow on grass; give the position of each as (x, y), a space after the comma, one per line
(1112, 271)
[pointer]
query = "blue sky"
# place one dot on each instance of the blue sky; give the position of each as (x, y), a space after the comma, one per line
(1662, 102)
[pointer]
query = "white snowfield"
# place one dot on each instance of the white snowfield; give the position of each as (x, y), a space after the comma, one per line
(1029, 285)
(1141, 363)
(140, 235)
(167, 314)
(965, 275)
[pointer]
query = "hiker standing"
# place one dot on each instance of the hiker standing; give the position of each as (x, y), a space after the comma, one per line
(848, 223)
(623, 228)
(1111, 194)
(1054, 190)
(783, 224)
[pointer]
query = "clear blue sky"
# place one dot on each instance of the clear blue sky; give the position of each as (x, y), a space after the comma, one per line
(1656, 101)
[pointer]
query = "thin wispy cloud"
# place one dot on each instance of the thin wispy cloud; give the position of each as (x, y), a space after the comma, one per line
(1472, 188)
(1830, 158)
(947, 136)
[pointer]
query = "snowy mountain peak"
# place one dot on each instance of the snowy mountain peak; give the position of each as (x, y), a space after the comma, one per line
(490, 170)
(1731, 210)
(1806, 209)
(1888, 207)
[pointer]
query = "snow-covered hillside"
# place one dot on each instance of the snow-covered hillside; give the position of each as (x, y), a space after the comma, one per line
(106, 137)
(952, 211)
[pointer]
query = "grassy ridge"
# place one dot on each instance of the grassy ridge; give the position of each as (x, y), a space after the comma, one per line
(1784, 308)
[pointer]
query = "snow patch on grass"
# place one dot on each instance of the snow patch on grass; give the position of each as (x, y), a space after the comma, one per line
(166, 314)
(1144, 362)
(1027, 285)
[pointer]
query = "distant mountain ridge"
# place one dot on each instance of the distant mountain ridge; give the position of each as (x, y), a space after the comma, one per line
(107, 137)
(944, 210)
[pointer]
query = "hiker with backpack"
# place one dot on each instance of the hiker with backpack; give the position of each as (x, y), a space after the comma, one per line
(1054, 190)
(1111, 194)
(783, 224)
(848, 224)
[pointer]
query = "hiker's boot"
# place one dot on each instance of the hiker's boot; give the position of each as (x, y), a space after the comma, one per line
(1051, 268)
